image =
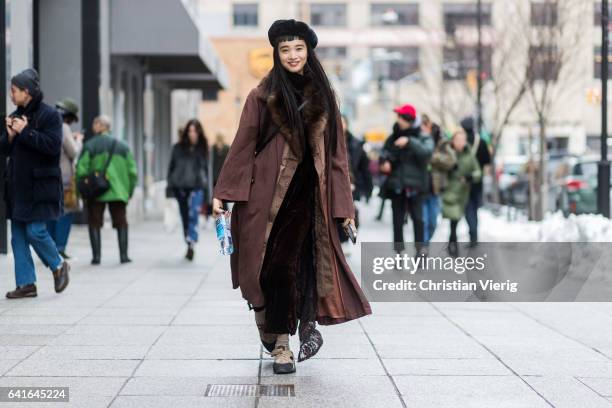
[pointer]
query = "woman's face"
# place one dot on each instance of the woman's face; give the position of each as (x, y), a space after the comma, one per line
(293, 55)
(459, 141)
(193, 135)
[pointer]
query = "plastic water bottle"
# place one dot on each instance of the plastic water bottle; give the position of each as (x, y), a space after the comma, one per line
(224, 233)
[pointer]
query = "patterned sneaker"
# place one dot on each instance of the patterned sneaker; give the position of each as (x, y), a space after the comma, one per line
(284, 363)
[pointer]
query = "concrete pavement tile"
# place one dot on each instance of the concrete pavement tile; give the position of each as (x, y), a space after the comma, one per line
(79, 386)
(90, 353)
(447, 366)
(160, 301)
(184, 402)
(567, 392)
(346, 350)
(390, 346)
(339, 385)
(77, 368)
(330, 368)
(58, 318)
(204, 352)
(403, 309)
(467, 391)
(189, 335)
(34, 329)
(135, 311)
(532, 366)
(88, 335)
(6, 365)
(198, 368)
(316, 400)
(16, 352)
(127, 320)
(189, 317)
(78, 401)
(25, 340)
(181, 386)
(603, 386)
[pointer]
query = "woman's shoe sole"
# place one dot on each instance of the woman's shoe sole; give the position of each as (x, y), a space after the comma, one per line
(283, 368)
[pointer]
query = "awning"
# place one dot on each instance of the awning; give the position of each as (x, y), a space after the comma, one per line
(166, 36)
(202, 82)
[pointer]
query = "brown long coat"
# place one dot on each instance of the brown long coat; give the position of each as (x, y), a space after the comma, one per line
(257, 184)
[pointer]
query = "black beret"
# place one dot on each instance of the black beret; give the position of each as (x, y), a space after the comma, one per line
(281, 28)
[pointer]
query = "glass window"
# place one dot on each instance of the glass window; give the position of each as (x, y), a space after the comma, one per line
(597, 62)
(543, 14)
(246, 15)
(598, 8)
(459, 61)
(394, 14)
(544, 63)
(465, 14)
(394, 63)
(328, 15)
(325, 53)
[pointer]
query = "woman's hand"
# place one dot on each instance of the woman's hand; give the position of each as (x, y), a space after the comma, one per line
(348, 221)
(217, 206)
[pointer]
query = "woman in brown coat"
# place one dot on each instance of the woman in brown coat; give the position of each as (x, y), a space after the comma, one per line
(287, 173)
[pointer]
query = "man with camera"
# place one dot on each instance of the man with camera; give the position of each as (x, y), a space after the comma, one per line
(32, 140)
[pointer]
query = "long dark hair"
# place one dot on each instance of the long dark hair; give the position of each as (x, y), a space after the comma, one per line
(202, 142)
(278, 81)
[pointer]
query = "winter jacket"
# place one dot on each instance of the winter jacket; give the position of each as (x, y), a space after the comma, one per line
(408, 164)
(442, 161)
(121, 173)
(188, 168)
(359, 162)
(459, 180)
(33, 190)
(70, 151)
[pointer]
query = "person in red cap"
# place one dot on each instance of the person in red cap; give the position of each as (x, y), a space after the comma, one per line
(404, 158)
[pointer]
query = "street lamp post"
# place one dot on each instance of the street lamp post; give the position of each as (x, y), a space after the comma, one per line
(479, 73)
(603, 171)
(3, 234)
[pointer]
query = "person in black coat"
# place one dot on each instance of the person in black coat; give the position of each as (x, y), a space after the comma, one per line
(32, 140)
(359, 165)
(187, 179)
(483, 156)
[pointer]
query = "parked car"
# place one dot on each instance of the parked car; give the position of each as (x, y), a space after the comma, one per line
(577, 186)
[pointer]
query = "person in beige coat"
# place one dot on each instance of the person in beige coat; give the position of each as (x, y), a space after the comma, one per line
(72, 144)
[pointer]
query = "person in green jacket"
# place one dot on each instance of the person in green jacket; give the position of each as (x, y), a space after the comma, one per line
(464, 172)
(122, 177)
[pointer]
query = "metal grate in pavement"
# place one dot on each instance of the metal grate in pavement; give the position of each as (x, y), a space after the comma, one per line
(250, 390)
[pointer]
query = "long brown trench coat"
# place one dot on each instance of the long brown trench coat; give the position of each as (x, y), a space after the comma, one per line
(257, 183)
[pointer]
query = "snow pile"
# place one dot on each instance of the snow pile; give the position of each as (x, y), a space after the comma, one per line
(554, 228)
(576, 228)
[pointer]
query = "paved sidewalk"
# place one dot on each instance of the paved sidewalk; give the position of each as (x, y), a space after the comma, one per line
(157, 332)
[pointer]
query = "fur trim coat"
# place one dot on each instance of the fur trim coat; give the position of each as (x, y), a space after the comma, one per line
(257, 182)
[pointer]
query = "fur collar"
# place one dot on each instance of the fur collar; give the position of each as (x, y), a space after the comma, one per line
(314, 114)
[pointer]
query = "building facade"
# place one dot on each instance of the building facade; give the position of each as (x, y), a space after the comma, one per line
(145, 63)
(381, 53)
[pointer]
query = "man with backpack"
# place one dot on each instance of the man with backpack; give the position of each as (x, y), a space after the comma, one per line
(107, 164)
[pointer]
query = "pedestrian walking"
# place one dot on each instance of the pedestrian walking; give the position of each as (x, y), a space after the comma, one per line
(110, 158)
(463, 172)
(405, 157)
(217, 157)
(358, 164)
(72, 144)
(32, 141)
(431, 201)
(481, 151)
(188, 178)
(287, 173)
